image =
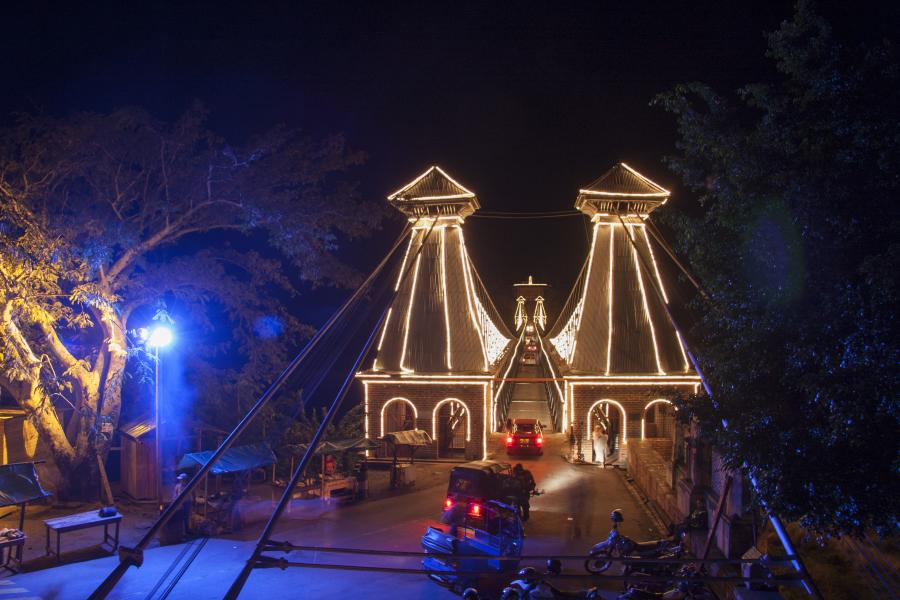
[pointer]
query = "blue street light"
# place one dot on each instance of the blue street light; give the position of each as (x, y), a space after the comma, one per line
(160, 337)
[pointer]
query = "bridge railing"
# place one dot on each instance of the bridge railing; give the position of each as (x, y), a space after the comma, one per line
(553, 398)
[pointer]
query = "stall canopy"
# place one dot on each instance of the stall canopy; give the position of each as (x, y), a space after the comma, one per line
(411, 437)
(239, 458)
(19, 483)
(337, 446)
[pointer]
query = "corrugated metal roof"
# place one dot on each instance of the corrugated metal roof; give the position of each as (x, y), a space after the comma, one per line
(622, 179)
(433, 183)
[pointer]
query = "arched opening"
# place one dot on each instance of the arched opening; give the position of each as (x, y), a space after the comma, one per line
(615, 421)
(398, 414)
(658, 419)
(451, 427)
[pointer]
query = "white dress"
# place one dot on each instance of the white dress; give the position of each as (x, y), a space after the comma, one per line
(600, 440)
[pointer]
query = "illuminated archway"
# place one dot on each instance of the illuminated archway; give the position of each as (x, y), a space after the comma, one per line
(434, 415)
(621, 411)
(644, 413)
(391, 401)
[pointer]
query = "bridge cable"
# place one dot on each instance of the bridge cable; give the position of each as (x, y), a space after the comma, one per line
(783, 536)
(261, 546)
(655, 233)
(129, 557)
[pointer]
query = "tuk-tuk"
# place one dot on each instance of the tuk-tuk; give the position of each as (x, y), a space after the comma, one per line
(478, 482)
(493, 531)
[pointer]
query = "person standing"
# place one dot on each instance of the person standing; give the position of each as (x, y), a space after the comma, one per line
(600, 440)
(185, 509)
(527, 485)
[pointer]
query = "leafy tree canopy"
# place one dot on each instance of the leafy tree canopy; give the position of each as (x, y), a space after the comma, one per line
(798, 248)
(104, 214)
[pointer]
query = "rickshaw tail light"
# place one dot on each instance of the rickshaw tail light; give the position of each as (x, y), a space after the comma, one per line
(509, 439)
(448, 503)
(476, 509)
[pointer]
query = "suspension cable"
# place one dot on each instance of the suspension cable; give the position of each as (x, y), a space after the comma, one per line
(256, 558)
(783, 536)
(129, 557)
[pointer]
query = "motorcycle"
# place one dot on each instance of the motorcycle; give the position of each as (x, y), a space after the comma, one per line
(618, 545)
(687, 587)
(531, 586)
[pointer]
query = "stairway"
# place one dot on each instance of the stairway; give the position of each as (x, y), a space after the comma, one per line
(529, 400)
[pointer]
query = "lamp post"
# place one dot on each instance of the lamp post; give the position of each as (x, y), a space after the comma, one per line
(159, 337)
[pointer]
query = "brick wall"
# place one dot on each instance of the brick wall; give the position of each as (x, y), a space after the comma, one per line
(425, 398)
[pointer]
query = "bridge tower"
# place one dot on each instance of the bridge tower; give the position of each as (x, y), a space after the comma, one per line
(442, 340)
(620, 358)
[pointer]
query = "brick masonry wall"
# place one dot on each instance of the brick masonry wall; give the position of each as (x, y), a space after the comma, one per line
(632, 398)
(425, 398)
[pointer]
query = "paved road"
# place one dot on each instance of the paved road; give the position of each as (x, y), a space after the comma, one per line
(570, 517)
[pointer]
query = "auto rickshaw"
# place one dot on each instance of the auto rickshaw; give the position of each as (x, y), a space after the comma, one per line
(478, 482)
(492, 530)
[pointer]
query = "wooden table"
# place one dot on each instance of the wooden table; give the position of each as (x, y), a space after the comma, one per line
(83, 520)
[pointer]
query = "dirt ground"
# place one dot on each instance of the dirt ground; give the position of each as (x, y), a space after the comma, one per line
(138, 517)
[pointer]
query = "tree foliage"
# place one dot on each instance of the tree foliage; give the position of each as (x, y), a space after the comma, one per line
(798, 248)
(102, 215)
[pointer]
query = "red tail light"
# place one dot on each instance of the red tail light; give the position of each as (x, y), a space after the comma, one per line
(509, 439)
(539, 441)
(448, 503)
(475, 509)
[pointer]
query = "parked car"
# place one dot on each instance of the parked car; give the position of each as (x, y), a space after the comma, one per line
(527, 437)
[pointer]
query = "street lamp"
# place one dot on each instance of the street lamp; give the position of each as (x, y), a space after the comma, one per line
(158, 337)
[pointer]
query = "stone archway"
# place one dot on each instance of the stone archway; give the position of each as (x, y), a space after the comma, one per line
(618, 423)
(657, 419)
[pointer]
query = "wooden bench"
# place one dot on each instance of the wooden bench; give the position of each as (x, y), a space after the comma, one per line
(83, 520)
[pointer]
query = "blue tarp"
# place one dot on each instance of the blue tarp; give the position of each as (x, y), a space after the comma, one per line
(239, 458)
(19, 483)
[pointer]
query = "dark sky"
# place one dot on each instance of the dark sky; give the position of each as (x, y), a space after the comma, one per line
(521, 102)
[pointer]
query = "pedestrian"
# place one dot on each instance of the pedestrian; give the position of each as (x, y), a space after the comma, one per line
(362, 479)
(526, 488)
(185, 510)
(600, 440)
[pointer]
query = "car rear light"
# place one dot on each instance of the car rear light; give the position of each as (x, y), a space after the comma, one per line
(448, 503)
(539, 441)
(475, 509)
(509, 439)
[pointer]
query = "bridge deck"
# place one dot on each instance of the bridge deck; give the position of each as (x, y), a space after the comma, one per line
(529, 400)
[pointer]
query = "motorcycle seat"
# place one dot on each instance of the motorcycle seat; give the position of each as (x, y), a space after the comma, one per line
(652, 546)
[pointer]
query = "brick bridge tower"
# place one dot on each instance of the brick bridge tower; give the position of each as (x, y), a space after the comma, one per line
(442, 340)
(620, 358)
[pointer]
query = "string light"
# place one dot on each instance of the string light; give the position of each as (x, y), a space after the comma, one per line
(434, 414)
(640, 279)
(391, 401)
(445, 299)
(540, 313)
(520, 312)
(612, 233)
(644, 413)
(412, 296)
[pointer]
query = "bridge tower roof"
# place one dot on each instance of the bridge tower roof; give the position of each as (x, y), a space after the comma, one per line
(434, 194)
(614, 323)
(442, 321)
(621, 190)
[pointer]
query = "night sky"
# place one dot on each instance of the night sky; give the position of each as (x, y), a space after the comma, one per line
(521, 102)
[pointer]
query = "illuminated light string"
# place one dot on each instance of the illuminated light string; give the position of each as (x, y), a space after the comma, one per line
(444, 297)
(520, 312)
(496, 396)
(610, 300)
(621, 411)
(403, 264)
(469, 305)
(466, 193)
(492, 341)
(384, 328)
(562, 396)
(644, 413)
(640, 279)
(412, 296)
(540, 313)
(434, 416)
(662, 288)
(584, 292)
(391, 401)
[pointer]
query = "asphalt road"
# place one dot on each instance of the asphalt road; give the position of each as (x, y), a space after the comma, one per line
(567, 519)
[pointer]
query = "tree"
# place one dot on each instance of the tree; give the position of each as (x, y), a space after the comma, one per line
(798, 249)
(101, 215)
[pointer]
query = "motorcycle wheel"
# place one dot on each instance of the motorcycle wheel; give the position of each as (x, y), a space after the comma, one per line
(598, 563)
